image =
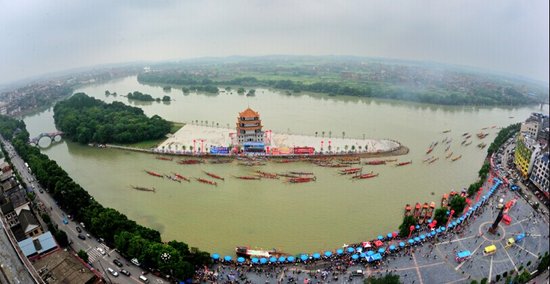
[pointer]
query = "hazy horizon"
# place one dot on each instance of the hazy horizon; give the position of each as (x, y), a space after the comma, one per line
(508, 37)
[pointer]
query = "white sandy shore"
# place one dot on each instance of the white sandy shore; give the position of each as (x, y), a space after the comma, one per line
(212, 136)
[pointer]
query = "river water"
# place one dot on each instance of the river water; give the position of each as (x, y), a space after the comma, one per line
(270, 213)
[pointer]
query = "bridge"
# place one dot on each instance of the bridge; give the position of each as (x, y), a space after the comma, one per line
(53, 136)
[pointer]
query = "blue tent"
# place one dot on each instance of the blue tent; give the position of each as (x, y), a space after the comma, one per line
(411, 241)
(389, 235)
(392, 247)
(254, 260)
(432, 233)
(380, 237)
(438, 230)
(272, 259)
(354, 257)
(442, 228)
(463, 254)
(417, 239)
(339, 251)
(376, 256)
(370, 252)
(316, 255)
(451, 225)
(328, 253)
(304, 257)
(240, 259)
(282, 259)
(401, 244)
(350, 249)
(362, 254)
(227, 258)
(381, 250)
(263, 260)
(291, 259)
(417, 227)
(429, 221)
(422, 236)
(215, 256)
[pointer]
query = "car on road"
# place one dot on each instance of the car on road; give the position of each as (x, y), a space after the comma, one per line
(78, 229)
(101, 251)
(112, 271)
(65, 221)
(81, 236)
(117, 262)
(135, 261)
(125, 272)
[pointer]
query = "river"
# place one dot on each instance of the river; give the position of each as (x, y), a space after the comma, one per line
(269, 213)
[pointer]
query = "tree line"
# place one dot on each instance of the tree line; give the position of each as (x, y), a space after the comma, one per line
(130, 238)
(85, 119)
(478, 96)
(139, 96)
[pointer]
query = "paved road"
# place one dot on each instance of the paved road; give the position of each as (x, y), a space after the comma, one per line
(99, 261)
(11, 268)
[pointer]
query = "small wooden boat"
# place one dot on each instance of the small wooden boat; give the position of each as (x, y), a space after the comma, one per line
(423, 213)
(449, 155)
(465, 134)
(429, 151)
(482, 135)
(164, 158)
(141, 188)
(456, 158)
(181, 177)
(444, 200)
(448, 147)
(430, 212)
(428, 159)
(213, 175)
(190, 162)
(350, 171)
(286, 161)
(154, 174)
(446, 131)
(221, 161)
(403, 163)
(365, 176)
(174, 178)
(206, 181)
(390, 160)
(408, 210)
(468, 143)
(267, 175)
(417, 208)
(301, 179)
(375, 162)
(302, 173)
(481, 145)
(433, 160)
(248, 177)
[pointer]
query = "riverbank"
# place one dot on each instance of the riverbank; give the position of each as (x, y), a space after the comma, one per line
(196, 139)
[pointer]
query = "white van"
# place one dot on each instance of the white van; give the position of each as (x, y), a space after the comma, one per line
(112, 271)
(143, 279)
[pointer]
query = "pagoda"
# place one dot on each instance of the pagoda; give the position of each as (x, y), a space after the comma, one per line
(249, 127)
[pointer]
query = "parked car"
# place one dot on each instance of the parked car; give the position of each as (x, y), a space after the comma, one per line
(135, 261)
(100, 250)
(78, 229)
(117, 262)
(81, 236)
(112, 271)
(125, 272)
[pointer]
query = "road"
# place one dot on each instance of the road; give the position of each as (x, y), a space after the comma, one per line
(99, 261)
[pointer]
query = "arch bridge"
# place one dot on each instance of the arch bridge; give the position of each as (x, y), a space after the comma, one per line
(54, 137)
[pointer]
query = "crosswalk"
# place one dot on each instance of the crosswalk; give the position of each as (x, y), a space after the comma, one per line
(94, 254)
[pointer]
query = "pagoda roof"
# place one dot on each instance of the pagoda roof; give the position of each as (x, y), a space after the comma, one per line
(249, 113)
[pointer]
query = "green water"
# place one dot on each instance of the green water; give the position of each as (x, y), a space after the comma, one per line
(270, 213)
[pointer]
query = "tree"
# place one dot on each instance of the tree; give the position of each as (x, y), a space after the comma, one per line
(544, 262)
(386, 279)
(440, 215)
(83, 255)
(404, 228)
(457, 204)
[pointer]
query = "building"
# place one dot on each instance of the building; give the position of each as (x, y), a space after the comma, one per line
(29, 224)
(249, 128)
(39, 244)
(6, 207)
(539, 174)
(3, 108)
(526, 151)
(530, 128)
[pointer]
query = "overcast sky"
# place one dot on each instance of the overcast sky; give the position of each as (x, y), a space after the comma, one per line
(38, 37)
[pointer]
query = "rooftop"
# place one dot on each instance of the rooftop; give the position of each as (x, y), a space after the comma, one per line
(249, 113)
